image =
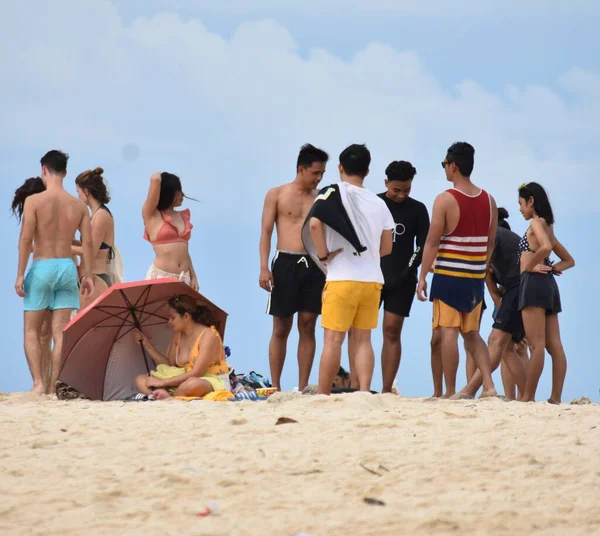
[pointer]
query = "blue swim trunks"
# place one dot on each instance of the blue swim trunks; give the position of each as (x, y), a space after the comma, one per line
(51, 284)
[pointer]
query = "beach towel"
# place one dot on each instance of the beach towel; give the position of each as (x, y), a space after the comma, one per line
(335, 207)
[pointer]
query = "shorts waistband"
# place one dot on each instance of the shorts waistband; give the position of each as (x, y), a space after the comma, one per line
(294, 253)
(58, 260)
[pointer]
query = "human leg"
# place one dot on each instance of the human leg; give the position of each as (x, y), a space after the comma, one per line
(559, 358)
(306, 346)
(391, 351)
(194, 387)
(46, 345)
(508, 383)
(330, 359)
(278, 347)
(33, 350)
(534, 319)
(60, 318)
(437, 369)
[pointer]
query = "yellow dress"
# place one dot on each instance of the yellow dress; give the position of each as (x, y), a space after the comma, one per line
(217, 374)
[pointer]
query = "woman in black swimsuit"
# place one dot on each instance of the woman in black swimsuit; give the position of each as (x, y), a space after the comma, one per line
(539, 299)
(92, 191)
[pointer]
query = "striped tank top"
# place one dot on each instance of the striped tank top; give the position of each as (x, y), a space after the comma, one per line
(459, 270)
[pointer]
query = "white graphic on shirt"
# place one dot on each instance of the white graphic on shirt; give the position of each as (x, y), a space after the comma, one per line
(399, 230)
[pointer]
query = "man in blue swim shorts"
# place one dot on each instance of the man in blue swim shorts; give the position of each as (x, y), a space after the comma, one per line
(50, 220)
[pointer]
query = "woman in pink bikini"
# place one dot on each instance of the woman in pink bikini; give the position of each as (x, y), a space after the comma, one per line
(168, 230)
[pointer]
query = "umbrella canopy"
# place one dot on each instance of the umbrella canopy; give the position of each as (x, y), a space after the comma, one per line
(100, 357)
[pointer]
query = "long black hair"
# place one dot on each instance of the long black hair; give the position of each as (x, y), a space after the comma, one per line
(541, 203)
(34, 185)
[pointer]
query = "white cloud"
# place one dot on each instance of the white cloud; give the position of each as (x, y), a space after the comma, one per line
(167, 83)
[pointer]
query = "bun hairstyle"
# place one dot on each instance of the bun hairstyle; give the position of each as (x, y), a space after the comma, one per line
(199, 312)
(502, 217)
(541, 203)
(34, 185)
(93, 181)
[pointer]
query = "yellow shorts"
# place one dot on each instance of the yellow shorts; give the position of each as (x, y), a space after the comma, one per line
(445, 316)
(349, 304)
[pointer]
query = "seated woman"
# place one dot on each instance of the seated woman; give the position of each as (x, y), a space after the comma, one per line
(168, 230)
(195, 362)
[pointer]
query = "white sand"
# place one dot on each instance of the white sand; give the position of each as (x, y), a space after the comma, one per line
(484, 467)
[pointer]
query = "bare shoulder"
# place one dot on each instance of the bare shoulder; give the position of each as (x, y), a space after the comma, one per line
(443, 200)
(273, 194)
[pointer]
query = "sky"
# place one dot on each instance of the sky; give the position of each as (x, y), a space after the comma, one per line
(223, 94)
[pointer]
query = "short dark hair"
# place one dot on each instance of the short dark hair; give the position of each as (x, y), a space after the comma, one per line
(400, 170)
(200, 313)
(356, 159)
(541, 203)
(34, 185)
(55, 161)
(170, 185)
(463, 155)
(502, 217)
(342, 373)
(309, 154)
(93, 181)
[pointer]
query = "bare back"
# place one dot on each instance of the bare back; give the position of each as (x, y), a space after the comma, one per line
(292, 206)
(58, 215)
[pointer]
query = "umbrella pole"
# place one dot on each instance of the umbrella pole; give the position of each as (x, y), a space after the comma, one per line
(139, 326)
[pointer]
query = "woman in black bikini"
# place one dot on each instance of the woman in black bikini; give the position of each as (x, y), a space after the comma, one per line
(92, 191)
(539, 299)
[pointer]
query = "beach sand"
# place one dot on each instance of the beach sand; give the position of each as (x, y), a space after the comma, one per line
(465, 467)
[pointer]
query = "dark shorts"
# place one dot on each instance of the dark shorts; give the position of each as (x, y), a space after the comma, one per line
(297, 285)
(398, 299)
(539, 290)
(508, 317)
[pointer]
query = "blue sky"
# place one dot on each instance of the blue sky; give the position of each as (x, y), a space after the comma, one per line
(224, 94)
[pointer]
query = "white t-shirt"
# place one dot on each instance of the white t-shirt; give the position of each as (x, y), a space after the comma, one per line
(373, 217)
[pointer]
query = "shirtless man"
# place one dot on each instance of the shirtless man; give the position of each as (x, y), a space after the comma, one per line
(50, 219)
(294, 282)
(460, 241)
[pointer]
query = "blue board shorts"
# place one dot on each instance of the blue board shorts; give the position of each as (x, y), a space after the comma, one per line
(51, 284)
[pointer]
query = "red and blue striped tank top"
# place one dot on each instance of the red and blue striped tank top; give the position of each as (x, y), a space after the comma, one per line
(459, 269)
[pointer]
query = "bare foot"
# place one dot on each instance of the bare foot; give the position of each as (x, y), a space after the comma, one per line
(437, 395)
(160, 394)
(38, 389)
(488, 394)
(551, 401)
(462, 396)
(447, 395)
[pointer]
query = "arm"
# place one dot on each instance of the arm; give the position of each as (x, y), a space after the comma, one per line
(269, 216)
(493, 289)
(193, 274)
(387, 243)
(492, 231)
(25, 244)
(545, 247)
(208, 354)
(566, 261)
(432, 243)
(85, 228)
(317, 233)
(149, 209)
(417, 258)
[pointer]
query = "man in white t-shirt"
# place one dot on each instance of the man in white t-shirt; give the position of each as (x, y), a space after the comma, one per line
(353, 288)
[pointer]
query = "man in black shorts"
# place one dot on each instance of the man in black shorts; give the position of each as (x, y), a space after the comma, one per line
(294, 282)
(508, 325)
(400, 267)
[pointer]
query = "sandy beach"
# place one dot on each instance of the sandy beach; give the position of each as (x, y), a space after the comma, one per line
(439, 467)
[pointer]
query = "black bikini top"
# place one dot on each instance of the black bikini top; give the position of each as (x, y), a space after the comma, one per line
(524, 246)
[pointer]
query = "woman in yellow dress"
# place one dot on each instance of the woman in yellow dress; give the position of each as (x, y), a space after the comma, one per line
(195, 362)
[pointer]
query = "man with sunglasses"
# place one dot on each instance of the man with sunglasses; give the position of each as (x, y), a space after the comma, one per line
(460, 241)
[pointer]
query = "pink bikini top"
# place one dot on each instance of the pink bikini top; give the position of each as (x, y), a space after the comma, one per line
(168, 233)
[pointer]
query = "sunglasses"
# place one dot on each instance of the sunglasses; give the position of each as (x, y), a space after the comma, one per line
(445, 163)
